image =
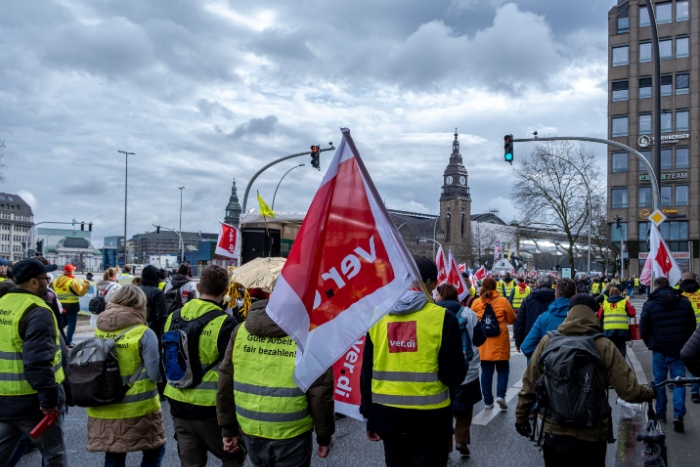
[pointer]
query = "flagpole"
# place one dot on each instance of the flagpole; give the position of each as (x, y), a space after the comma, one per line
(398, 240)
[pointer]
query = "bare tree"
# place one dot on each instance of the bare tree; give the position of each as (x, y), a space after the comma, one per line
(550, 186)
(601, 238)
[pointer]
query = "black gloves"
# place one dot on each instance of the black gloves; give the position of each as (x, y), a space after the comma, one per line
(523, 429)
(653, 387)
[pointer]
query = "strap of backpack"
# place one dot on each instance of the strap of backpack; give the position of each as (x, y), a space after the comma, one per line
(125, 331)
(135, 376)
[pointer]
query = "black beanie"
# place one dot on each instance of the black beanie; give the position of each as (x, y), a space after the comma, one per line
(150, 275)
(583, 299)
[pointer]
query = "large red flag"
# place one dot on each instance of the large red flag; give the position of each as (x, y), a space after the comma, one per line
(347, 267)
(660, 261)
(442, 265)
(229, 242)
(480, 273)
(455, 278)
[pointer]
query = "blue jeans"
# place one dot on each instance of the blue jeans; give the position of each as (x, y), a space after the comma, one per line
(70, 319)
(151, 458)
(487, 369)
(630, 291)
(661, 366)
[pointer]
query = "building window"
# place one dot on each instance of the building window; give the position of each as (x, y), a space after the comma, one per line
(619, 161)
(619, 198)
(682, 83)
(619, 234)
(682, 47)
(645, 52)
(663, 13)
(448, 228)
(623, 19)
(682, 161)
(620, 126)
(644, 197)
(666, 121)
(620, 90)
(621, 55)
(682, 120)
(667, 85)
(666, 159)
(681, 195)
(682, 13)
(644, 124)
(645, 88)
(463, 224)
(666, 196)
(643, 16)
(666, 48)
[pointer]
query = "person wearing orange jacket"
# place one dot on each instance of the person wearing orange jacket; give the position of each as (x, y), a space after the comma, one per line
(69, 289)
(495, 352)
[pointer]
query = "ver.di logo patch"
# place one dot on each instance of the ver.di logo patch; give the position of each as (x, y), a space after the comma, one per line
(402, 337)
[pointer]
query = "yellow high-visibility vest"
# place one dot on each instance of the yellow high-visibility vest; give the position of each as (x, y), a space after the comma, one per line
(595, 288)
(615, 316)
(62, 288)
(142, 398)
(518, 297)
(694, 299)
(405, 371)
(13, 381)
(269, 404)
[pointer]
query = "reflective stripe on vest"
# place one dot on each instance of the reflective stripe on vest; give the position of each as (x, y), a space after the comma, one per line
(13, 381)
(615, 316)
(269, 404)
(518, 297)
(63, 292)
(204, 393)
(142, 398)
(405, 361)
(694, 299)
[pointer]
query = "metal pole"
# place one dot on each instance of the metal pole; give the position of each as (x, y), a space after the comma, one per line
(434, 229)
(280, 182)
(657, 91)
(182, 243)
(126, 185)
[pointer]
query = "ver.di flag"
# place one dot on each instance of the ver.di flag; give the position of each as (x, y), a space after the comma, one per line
(455, 278)
(480, 273)
(660, 261)
(229, 243)
(347, 267)
(442, 265)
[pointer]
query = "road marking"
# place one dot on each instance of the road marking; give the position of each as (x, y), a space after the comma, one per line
(636, 366)
(485, 416)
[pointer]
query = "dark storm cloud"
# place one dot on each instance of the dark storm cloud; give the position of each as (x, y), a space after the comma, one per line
(255, 127)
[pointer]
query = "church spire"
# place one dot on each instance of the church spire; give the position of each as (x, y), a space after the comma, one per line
(233, 208)
(455, 157)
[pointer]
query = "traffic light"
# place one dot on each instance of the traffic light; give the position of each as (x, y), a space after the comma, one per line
(315, 160)
(627, 262)
(90, 227)
(508, 148)
(157, 229)
(179, 259)
(40, 247)
(82, 226)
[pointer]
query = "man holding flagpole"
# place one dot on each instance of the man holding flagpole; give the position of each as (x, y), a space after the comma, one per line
(412, 356)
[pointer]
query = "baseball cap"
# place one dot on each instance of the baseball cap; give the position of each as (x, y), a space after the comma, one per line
(30, 268)
(69, 268)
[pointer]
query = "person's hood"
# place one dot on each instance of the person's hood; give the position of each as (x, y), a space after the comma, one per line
(452, 305)
(410, 302)
(117, 317)
(559, 307)
(666, 296)
(580, 320)
(689, 285)
(615, 299)
(178, 280)
(543, 294)
(259, 323)
(150, 276)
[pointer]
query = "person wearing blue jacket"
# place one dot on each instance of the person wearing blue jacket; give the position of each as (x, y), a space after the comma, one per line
(550, 319)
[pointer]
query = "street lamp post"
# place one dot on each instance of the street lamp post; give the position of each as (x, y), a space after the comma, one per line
(182, 243)
(126, 185)
(280, 182)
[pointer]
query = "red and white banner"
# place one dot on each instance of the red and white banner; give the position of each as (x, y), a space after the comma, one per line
(346, 375)
(443, 266)
(347, 267)
(462, 267)
(229, 242)
(660, 261)
(455, 278)
(480, 273)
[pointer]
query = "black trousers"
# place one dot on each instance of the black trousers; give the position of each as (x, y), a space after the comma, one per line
(402, 450)
(567, 451)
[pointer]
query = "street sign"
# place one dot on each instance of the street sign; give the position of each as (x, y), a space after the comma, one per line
(566, 273)
(657, 217)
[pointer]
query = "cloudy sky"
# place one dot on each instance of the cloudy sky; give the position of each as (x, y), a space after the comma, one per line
(205, 91)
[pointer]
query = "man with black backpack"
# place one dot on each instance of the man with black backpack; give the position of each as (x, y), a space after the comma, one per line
(200, 332)
(575, 422)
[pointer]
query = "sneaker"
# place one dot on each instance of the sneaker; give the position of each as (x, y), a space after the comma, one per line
(488, 407)
(502, 403)
(695, 398)
(678, 424)
(463, 449)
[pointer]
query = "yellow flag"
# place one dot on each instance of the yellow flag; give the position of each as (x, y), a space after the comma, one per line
(264, 208)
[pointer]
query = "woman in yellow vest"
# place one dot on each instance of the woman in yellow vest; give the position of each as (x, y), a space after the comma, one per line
(136, 422)
(614, 315)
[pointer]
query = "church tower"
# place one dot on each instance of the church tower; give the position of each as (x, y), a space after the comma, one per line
(233, 208)
(455, 207)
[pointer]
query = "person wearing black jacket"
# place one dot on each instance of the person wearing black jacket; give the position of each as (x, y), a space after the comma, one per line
(667, 322)
(156, 312)
(413, 419)
(532, 307)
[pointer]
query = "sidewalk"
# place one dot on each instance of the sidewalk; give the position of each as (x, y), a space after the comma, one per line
(683, 448)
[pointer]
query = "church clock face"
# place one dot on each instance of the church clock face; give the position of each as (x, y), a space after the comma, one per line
(462, 180)
(448, 180)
